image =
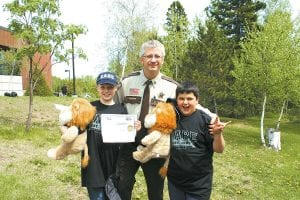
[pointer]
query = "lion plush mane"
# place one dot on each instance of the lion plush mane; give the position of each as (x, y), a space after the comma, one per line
(74, 120)
(161, 122)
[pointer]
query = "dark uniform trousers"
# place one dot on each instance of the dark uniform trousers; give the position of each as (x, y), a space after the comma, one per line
(128, 167)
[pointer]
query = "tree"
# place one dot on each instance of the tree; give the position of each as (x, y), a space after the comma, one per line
(10, 64)
(41, 87)
(130, 22)
(132, 62)
(207, 61)
(267, 71)
(235, 17)
(36, 23)
(274, 6)
(177, 28)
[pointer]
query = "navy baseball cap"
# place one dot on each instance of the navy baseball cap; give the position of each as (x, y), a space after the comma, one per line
(107, 78)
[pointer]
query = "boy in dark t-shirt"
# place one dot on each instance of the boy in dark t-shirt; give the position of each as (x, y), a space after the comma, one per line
(103, 156)
(192, 146)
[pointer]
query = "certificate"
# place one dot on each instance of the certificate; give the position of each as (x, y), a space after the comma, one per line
(118, 128)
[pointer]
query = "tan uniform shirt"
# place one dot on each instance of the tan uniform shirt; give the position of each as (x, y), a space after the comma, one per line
(132, 90)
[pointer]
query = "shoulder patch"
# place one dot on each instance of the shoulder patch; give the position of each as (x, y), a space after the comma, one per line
(169, 79)
(136, 73)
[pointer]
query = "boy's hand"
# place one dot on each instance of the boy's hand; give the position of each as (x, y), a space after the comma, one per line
(217, 127)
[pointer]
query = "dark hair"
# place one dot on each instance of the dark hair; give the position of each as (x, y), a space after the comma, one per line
(187, 87)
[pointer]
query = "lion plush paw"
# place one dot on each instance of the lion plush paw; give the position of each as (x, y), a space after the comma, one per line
(140, 148)
(139, 155)
(52, 153)
(142, 156)
(70, 134)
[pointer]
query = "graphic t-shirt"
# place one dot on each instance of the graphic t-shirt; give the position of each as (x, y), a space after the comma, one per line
(103, 156)
(190, 168)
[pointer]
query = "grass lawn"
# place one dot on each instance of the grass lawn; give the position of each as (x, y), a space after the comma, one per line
(246, 170)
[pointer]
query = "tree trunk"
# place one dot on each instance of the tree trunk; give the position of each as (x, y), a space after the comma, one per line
(124, 62)
(280, 116)
(215, 104)
(262, 137)
(28, 122)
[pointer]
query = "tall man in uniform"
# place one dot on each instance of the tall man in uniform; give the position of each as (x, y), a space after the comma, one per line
(140, 92)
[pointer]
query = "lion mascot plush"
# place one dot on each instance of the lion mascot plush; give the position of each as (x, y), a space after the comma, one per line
(74, 120)
(161, 122)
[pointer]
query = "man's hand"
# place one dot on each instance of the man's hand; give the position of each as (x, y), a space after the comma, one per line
(137, 125)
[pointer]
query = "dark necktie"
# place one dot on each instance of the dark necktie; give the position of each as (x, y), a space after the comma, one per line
(145, 102)
(144, 111)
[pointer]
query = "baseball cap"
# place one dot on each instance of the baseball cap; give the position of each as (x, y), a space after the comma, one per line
(107, 78)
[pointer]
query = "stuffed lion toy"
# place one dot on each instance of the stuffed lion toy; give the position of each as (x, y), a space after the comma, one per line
(74, 120)
(161, 122)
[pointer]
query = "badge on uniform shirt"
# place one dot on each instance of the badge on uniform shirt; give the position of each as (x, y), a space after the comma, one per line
(161, 95)
(134, 91)
(155, 101)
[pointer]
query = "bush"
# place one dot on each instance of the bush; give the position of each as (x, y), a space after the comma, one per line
(41, 88)
(85, 85)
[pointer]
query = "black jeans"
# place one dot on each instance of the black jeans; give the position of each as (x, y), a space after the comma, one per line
(127, 168)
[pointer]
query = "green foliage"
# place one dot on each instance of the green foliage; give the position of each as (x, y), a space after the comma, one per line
(41, 87)
(274, 6)
(84, 85)
(57, 83)
(36, 23)
(177, 27)
(132, 62)
(208, 63)
(269, 69)
(10, 64)
(131, 24)
(176, 18)
(235, 17)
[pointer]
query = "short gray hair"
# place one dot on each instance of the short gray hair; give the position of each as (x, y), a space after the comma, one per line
(151, 44)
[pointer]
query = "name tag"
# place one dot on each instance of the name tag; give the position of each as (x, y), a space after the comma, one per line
(132, 99)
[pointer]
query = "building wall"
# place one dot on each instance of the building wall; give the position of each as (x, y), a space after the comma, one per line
(11, 84)
(7, 41)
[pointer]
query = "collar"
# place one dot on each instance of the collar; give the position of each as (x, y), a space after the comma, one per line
(154, 81)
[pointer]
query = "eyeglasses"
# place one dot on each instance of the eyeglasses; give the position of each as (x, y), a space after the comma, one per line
(151, 56)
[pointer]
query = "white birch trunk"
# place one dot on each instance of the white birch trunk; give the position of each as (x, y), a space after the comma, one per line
(124, 63)
(262, 137)
(280, 116)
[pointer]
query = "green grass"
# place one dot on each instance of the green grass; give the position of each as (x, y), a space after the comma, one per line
(246, 169)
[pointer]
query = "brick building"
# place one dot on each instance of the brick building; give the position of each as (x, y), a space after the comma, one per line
(7, 41)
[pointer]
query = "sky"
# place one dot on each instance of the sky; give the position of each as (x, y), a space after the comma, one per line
(91, 14)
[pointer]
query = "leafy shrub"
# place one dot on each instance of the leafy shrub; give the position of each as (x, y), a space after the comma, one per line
(85, 85)
(41, 88)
